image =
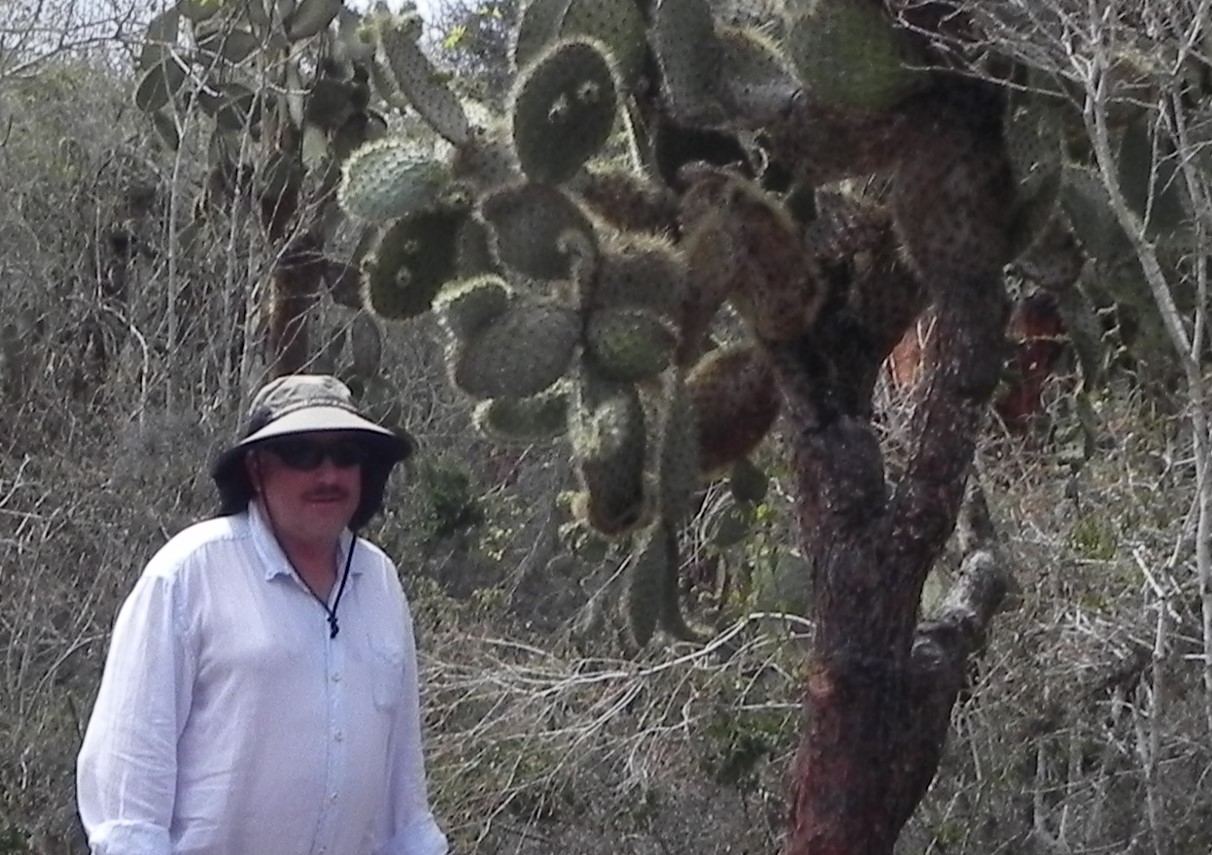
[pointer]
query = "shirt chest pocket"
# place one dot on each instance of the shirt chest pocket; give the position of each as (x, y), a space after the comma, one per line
(387, 677)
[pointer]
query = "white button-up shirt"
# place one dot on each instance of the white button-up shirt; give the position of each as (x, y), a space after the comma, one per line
(228, 722)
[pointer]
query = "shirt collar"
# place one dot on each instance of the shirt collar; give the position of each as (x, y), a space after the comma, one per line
(270, 551)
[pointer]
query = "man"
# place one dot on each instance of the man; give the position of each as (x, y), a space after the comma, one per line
(260, 695)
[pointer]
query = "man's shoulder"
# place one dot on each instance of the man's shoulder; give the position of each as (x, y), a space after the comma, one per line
(195, 541)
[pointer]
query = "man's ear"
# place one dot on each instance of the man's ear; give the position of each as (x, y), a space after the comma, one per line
(252, 465)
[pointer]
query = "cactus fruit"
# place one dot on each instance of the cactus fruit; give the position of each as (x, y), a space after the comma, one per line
(390, 178)
(411, 261)
(641, 271)
(609, 441)
(527, 222)
(735, 401)
(535, 419)
(848, 53)
(618, 24)
(466, 308)
(629, 344)
(517, 354)
(421, 83)
(563, 109)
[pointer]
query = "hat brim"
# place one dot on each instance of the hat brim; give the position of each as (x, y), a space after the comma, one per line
(388, 447)
(322, 419)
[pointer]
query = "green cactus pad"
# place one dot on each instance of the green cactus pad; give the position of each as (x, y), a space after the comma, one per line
(465, 308)
(678, 461)
(563, 108)
(1034, 145)
(609, 440)
(474, 252)
(618, 24)
(486, 161)
(411, 261)
(1150, 182)
(1085, 333)
(645, 584)
(365, 344)
(689, 53)
(629, 344)
(539, 418)
(730, 524)
(390, 178)
(517, 354)
(527, 222)
(644, 272)
(422, 84)
(754, 76)
(848, 53)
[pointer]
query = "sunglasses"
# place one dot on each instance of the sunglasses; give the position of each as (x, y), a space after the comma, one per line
(305, 455)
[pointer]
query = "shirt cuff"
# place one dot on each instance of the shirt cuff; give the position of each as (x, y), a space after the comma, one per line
(419, 838)
(123, 837)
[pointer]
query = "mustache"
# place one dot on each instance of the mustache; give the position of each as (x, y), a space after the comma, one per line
(326, 494)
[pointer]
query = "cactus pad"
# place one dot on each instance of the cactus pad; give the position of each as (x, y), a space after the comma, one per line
(629, 345)
(422, 84)
(618, 24)
(527, 222)
(517, 354)
(466, 308)
(390, 178)
(645, 584)
(563, 109)
(754, 76)
(411, 261)
(678, 460)
(641, 271)
(735, 402)
(689, 53)
(534, 419)
(365, 344)
(609, 441)
(848, 53)
(747, 482)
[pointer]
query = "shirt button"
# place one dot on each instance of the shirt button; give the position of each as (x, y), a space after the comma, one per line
(338, 735)
(336, 678)
(333, 797)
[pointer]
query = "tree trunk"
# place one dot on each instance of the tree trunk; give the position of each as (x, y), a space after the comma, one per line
(881, 686)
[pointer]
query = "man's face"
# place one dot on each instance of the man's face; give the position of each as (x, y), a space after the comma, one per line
(311, 484)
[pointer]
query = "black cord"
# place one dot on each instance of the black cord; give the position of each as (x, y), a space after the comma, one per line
(333, 628)
(331, 614)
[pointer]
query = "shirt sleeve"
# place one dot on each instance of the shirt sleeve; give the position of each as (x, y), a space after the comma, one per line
(126, 772)
(412, 829)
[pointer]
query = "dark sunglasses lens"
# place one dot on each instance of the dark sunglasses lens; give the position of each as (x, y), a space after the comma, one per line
(348, 453)
(304, 455)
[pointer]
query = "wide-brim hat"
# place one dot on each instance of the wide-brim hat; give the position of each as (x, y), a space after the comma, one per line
(309, 403)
